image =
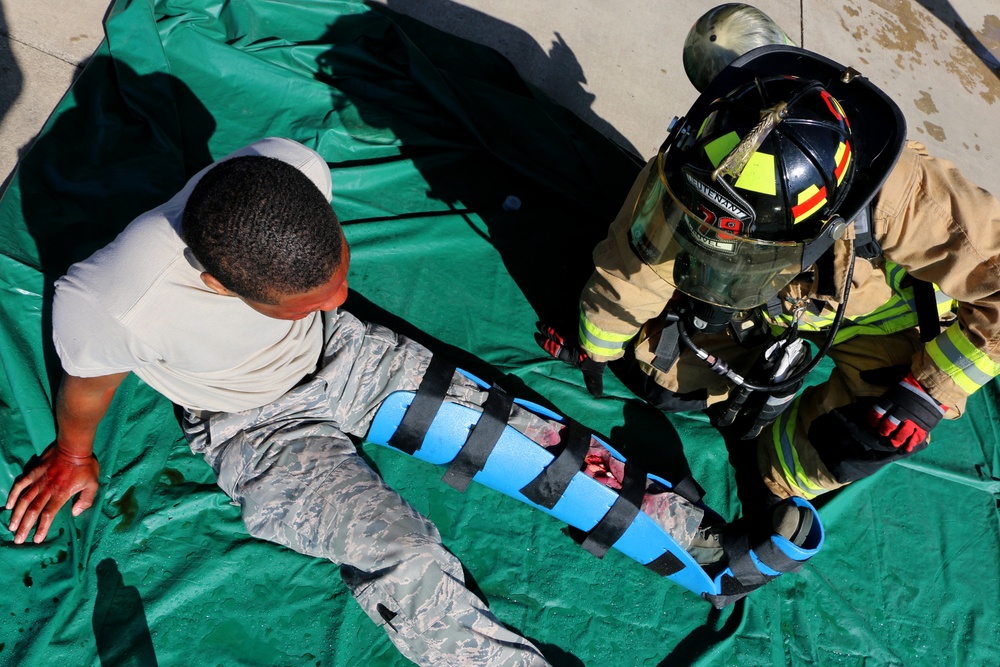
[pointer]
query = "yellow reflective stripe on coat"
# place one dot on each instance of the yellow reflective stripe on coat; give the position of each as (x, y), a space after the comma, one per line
(964, 363)
(598, 342)
(897, 314)
(783, 435)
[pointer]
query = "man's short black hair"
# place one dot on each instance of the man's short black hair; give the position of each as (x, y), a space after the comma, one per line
(262, 228)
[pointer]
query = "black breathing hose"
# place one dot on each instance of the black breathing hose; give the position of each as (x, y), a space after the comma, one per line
(720, 367)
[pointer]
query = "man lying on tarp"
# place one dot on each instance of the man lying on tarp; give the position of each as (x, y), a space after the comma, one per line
(226, 300)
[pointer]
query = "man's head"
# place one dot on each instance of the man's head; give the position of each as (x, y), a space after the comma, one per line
(266, 234)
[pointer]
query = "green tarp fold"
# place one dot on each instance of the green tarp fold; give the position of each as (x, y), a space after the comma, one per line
(426, 136)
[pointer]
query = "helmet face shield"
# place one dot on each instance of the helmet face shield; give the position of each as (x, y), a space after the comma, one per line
(702, 253)
(747, 190)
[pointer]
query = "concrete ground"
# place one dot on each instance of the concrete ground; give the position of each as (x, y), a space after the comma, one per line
(616, 64)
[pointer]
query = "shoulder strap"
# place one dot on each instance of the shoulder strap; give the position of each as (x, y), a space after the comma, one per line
(865, 245)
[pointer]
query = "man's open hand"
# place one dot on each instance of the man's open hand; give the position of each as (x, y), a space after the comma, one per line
(46, 486)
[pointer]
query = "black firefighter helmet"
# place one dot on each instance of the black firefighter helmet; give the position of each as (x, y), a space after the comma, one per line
(762, 175)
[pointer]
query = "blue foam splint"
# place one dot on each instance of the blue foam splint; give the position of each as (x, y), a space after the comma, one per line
(517, 460)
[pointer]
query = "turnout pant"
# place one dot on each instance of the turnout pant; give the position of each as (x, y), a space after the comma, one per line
(788, 461)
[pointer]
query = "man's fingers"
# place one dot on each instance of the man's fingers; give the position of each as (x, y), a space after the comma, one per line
(85, 501)
(30, 516)
(15, 491)
(45, 519)
(36, 499)
(21, 506)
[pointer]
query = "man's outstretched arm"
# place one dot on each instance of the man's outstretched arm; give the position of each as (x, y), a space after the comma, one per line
(68, 467)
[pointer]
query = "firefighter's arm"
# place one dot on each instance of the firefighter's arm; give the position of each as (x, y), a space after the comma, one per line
(942, 228)
(623, 293)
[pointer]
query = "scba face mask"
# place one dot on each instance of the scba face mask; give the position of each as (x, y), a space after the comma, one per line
(702, 253)
(739, 205)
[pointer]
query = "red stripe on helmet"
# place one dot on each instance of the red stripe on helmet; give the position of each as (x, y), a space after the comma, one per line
(808, 204)
(834, 107)
(844, 161)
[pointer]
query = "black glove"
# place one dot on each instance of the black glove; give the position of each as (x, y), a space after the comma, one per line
(553, 343)
(849, 448)
(905, 413)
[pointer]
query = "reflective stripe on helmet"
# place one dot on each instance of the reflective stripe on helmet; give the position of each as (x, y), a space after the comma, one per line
(810, 200)
(843, 158)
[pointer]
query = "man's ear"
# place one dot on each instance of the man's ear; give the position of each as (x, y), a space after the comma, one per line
(213, 284)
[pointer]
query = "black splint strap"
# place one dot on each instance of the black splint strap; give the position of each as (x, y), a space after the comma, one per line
(666, 565)
(426, 403)
(547, 488)
(746, 577)
(484, 436)
(689, 489)
(619, 517)
(737, 548)
(776, 559)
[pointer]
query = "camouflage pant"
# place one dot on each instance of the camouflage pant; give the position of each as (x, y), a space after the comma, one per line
(300, 482)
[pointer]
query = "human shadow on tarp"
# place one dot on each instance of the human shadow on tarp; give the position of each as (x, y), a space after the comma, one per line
(119, 620)
(719, 626)
(557, 72)
(459, 115)
(145, 136)
(466, 121)
(11, 78)
(122, 144)
(477, 134)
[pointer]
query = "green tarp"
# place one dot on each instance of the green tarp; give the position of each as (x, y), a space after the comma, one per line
(426, 135)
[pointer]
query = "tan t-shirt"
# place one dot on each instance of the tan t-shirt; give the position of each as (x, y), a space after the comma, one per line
(139, 304)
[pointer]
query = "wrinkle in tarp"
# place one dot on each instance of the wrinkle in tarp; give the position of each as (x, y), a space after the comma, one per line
(426, 136)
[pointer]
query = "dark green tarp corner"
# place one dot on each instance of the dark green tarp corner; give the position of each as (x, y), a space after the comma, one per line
(426, 135)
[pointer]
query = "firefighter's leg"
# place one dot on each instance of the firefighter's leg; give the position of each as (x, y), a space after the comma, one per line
(793, 465)
(767, 519)
(641, 515)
